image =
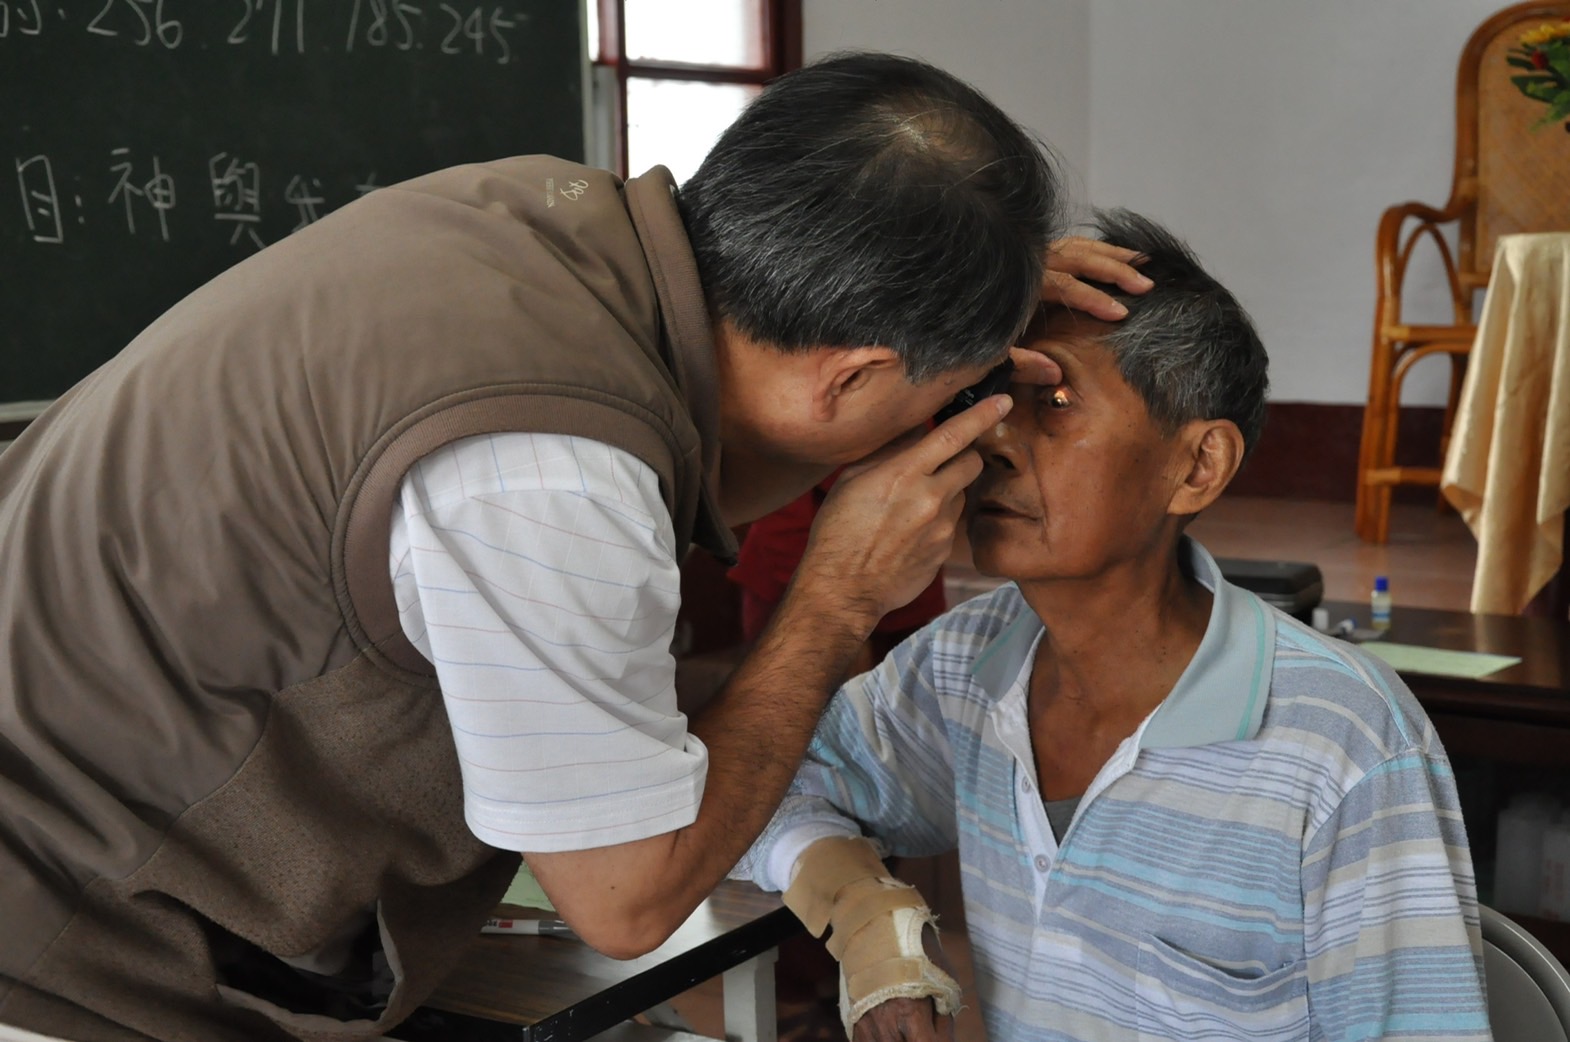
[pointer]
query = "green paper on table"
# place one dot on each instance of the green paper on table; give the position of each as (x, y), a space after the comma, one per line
(1412, 658)
(525, 891)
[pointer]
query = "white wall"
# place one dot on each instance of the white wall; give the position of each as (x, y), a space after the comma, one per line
(1030, 56)
(1272, 134)
(1269, 133)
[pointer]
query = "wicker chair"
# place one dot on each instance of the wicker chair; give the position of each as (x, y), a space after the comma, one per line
(1508, 178)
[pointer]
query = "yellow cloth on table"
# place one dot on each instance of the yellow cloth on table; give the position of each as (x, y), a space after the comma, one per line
(1508, 466)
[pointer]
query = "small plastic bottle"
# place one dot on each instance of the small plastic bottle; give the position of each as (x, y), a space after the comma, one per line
(1379, 604)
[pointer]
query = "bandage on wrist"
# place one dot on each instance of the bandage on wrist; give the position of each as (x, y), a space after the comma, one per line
(840, 883)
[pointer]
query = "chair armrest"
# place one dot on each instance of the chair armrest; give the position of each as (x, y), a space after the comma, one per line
(1392, 252)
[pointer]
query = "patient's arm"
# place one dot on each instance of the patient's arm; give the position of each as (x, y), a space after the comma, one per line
(1390, 918)
(879, 929)
(877, 764)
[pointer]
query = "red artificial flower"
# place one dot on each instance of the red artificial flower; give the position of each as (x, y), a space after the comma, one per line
(1539, 60)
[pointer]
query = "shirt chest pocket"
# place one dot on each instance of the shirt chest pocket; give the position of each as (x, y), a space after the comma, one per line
(1182, 996)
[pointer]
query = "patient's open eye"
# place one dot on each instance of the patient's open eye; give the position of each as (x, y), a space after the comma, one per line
(1060, 398)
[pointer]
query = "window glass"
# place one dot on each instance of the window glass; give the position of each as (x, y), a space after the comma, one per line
(675, 122)
(696, 32)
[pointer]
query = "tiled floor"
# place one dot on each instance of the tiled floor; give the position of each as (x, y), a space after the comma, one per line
(1429, 561)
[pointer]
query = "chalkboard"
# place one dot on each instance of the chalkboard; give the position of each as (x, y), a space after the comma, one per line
(150, 144)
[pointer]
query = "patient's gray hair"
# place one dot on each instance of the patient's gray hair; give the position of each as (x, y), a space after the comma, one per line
(1187, 346)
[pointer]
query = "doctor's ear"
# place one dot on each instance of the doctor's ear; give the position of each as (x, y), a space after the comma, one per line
(841, 372)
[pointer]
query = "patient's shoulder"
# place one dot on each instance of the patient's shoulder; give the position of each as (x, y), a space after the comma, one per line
(950, 648)
(1328, 688)
(986, 614)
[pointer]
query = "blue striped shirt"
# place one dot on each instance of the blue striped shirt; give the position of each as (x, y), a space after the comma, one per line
(1277, 852)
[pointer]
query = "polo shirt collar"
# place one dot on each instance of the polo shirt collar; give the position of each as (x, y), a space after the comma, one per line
(1221, 695)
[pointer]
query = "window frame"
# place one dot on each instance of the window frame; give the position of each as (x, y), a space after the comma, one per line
(779, 21)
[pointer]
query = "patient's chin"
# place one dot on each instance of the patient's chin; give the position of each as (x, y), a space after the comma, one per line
(991, 556)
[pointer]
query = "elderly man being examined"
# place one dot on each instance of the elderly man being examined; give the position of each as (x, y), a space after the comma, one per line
(1180, 814)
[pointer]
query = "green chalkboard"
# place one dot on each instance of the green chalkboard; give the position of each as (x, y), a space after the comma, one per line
(149, 144)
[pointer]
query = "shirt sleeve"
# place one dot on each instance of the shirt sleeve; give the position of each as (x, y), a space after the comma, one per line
(538, 574)
(879, 765)
(1391, 927)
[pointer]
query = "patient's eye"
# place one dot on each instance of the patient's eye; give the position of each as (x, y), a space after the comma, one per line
(1060, 398)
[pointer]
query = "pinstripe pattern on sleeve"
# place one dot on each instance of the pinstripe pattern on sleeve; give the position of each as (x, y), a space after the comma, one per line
(538, 574)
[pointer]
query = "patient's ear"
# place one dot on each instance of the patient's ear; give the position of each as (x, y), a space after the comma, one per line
(1212, 450)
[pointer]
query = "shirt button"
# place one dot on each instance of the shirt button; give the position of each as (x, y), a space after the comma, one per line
(1043, 862)
(1024, 784)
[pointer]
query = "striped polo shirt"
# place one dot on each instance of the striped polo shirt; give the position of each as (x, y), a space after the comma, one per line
(1277, 851)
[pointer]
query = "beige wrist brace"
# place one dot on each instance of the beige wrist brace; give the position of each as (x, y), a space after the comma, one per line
(877, 922)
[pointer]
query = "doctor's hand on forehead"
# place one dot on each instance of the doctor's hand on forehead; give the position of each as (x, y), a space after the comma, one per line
(1073, 264)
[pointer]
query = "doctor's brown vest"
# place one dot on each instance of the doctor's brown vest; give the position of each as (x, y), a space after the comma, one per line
(214, 736)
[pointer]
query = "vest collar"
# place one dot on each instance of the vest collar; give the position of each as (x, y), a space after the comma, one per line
(689, 338)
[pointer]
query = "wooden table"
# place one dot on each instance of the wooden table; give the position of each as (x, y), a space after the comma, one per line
(552, 989)
(1519, 716)
(1507, 466)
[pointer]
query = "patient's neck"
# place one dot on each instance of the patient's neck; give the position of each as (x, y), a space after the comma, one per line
(1119, 642)
(1113, 648)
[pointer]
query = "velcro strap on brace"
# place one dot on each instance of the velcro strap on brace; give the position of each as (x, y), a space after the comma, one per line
(877, 926)
(823, 869)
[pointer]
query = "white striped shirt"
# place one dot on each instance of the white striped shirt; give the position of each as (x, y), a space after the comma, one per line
(538, 573)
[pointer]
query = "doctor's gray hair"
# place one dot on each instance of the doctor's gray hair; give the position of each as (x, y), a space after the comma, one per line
(871, 199)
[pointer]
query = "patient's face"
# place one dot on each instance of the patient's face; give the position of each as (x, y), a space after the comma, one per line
(1077, 478)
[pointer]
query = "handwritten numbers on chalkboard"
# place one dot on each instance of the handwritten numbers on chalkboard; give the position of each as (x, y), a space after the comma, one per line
(168, 30)
(479, 29)
(22, 16)
(487, 31)
(376, 29)
(474, 28)
(251, 8)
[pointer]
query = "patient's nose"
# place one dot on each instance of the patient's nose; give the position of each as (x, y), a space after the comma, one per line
(1002, 446)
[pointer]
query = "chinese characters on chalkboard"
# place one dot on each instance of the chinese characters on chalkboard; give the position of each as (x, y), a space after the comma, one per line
(142, 194)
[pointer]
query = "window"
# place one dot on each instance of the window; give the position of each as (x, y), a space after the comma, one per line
(670, 75)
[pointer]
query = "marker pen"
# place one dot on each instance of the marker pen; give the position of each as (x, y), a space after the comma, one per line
(543, 927)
